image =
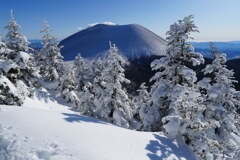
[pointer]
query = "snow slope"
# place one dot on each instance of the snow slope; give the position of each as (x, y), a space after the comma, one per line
(132, 40)
(45, 130)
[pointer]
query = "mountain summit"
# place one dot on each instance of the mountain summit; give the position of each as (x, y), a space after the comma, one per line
(133, 41)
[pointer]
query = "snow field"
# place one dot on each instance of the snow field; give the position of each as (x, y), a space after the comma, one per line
(44, 130)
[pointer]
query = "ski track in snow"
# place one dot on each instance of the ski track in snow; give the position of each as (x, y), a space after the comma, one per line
(46, 130)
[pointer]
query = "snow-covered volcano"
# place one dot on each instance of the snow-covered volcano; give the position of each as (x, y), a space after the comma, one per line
(132, 40)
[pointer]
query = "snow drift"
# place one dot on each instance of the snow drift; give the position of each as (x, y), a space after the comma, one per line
(132, 40)
(45, 130)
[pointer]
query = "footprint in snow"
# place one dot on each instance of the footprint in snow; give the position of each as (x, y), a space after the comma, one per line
(53, 145)
(25, 139)
(47, 154)
(8, 145)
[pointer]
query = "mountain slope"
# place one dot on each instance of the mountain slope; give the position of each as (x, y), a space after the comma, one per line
(132, 40)
(45, 130)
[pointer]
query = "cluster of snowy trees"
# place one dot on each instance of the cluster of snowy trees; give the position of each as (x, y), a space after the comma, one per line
(202, 112)
(96, 88)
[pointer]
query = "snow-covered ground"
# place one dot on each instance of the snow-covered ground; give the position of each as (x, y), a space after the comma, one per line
(43, 129)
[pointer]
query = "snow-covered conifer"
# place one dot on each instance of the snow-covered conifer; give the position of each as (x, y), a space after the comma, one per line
(9, 79)
(8, 92)
(79, 63)
(18, 52)
(84, 75)
(18, 73)
(111, 101)
(50, 59)
(15, 40)
(82, 72)
(175, 103)
(86, 96)
(68, 88)
(97, 66)
(141, 101)
(173, 78)
(221, 105)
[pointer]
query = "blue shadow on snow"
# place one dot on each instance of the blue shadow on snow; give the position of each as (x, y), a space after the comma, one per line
(80, 118)
(162, 147)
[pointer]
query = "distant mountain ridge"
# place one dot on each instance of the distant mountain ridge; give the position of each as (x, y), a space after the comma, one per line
(231, 48)
(132, 40)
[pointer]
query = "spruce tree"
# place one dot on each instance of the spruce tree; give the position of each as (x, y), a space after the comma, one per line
(141, 101)
(176, 104)
(14, 39)
(82, 72)
(19, 53)
(9, 78)
(111, 101)
(173, 78)
(86, 96)
(49, 58)
(8, 92)
(68, 88)
(221, 107)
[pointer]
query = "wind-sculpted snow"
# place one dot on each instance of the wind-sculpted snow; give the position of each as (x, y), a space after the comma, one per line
(43, 129)
(132, 40)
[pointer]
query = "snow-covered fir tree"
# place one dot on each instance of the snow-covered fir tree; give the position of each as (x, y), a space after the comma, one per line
(141, 101)
(83, 72)
(68, 87)
(79, 64)
(8, 91)
(176, 104)
(18, 44)
(221, 106)
(86, 96)
(14, 39)
(49, 58)
(89, 85)
(11, 88)
(8, 67)
(111, 101)
(97, 66)
(29, 73)
(86, 74)
(173, 74)
(19, 74)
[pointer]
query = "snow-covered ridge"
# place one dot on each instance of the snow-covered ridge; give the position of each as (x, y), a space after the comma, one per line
(133, 41)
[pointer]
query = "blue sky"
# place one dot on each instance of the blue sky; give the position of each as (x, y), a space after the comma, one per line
(218, 20)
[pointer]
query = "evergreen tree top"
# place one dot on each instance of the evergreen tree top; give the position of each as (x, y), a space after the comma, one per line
(180, 32)
(47, 37)
(14, 39)
(12, 24)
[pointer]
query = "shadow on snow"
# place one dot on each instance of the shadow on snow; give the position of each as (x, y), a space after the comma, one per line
(79, 118)
(164, 148)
